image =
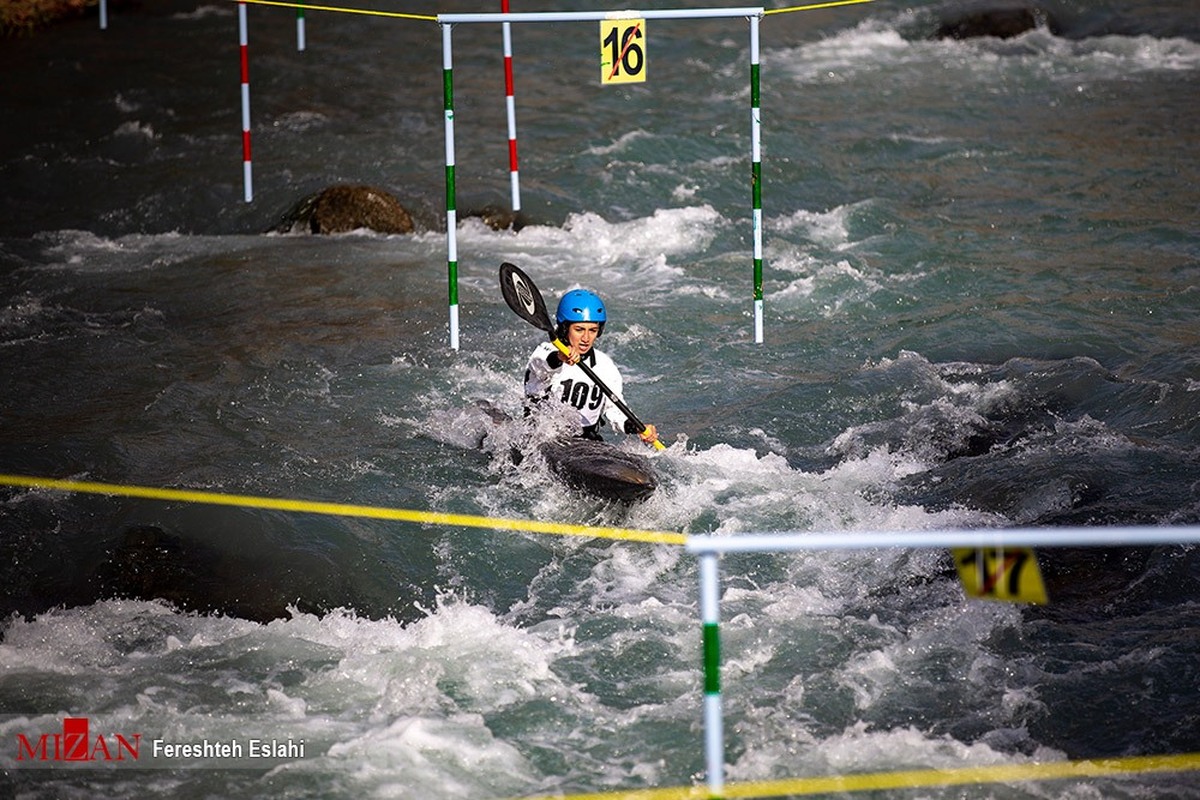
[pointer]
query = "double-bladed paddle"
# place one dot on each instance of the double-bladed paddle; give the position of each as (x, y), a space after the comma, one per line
(523, 297)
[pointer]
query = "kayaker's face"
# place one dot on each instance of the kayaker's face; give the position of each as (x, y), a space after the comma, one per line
(582, 335)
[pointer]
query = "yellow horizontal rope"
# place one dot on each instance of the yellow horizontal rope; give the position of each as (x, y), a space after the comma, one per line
(368, 12)
(912, 779)
(815, 6)
(343, 510)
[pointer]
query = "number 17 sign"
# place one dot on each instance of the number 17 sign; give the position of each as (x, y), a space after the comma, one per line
(623, 51)
(1004, 573)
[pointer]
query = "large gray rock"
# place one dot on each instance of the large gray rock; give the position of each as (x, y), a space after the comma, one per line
(343, 208)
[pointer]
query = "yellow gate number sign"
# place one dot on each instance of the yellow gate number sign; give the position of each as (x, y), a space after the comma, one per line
(622, 51)
(1004, 573)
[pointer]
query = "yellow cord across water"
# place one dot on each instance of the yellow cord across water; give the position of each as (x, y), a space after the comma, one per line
(343, 510)
(368, 12)
(912, 779)
(815, 6)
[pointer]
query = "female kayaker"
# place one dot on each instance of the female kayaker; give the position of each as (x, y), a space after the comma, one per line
(552, 374)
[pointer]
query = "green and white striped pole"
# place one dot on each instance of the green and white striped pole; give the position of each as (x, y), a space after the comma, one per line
(451, 209)
(300, 34)
(714, 734)
(756, 180)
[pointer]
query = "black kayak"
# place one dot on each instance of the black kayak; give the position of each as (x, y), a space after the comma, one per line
(600, 468)
(589, 465)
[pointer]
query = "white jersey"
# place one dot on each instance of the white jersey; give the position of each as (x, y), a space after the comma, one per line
(571, 385)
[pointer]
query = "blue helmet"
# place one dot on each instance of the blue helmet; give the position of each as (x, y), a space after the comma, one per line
(580, 305)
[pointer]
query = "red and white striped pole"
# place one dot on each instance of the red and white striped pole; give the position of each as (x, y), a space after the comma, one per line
(243, 36)
(514, 174)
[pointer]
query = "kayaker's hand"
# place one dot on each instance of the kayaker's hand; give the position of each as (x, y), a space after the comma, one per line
(565, 354)
(650, 434)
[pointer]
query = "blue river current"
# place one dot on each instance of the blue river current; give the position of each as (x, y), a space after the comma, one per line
(982, 292)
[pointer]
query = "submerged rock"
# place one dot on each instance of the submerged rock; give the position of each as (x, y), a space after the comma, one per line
(344, 208)
(498, 218)
(1001, 23)
(151, 564)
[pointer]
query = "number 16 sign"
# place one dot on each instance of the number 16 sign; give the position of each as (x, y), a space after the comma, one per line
(623, 51)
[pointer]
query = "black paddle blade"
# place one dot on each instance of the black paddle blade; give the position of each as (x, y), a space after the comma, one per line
(523, 297)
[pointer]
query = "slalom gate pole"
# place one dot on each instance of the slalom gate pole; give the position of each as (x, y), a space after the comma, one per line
(714, 727)
(243, 41)
(103, 15)
(511, 107)
(300, 40)
(451, 206)
(756, 179)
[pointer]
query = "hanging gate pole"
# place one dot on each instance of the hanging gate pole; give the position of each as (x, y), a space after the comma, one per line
(714, 726)
(243, 47)
(756, 180)
(451, 204)
(511, 108)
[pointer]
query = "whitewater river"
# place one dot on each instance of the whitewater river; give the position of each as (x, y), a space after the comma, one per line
(982, 286)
